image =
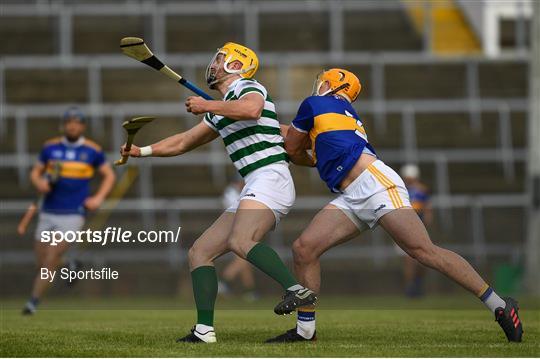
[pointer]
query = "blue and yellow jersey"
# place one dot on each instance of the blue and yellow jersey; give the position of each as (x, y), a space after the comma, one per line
(337, 134)
(78, 162)
(419, 197)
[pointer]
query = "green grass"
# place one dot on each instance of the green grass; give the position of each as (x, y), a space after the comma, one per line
(402, 330)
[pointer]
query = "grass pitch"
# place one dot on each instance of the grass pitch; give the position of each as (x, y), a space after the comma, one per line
(391, 327)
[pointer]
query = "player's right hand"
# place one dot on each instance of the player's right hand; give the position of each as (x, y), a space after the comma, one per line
(43, 186)
(134, 152)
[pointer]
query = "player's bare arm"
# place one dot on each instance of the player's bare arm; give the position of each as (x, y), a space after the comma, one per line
(107, 182)
(36, 177)
(249, 107)
(177, 144)
(296, 143)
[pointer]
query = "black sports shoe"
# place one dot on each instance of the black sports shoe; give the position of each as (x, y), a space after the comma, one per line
(28, 311)
(192, 338)
(294, 299)
(291, 336)
(509, 320)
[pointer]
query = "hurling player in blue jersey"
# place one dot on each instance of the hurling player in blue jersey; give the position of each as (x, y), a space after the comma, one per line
(369, 193)
(65, 203)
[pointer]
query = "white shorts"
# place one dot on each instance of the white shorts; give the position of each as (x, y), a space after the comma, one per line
(375, 192)
(58, 222)
(271, 185)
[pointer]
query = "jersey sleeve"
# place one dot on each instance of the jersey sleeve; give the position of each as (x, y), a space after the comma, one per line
(99, 159)
(208, 121)
(245, 87)
(303, 121)
(44, 155)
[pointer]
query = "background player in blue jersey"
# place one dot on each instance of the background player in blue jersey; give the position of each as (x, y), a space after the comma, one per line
(413, 271)
(64, 205)
(370, 193)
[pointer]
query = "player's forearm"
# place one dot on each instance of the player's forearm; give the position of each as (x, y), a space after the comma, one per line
(170, 146)
(236, 109)
(301, 158)
(106, 185)
(284, 130)
(35, 176)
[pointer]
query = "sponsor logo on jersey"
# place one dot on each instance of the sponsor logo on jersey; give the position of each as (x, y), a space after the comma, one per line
(70, 155)
(56, 154)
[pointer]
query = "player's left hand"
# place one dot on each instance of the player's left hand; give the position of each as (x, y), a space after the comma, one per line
(196, 105)
(93, 203)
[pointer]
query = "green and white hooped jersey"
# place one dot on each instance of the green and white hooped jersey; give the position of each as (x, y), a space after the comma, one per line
(251, 144)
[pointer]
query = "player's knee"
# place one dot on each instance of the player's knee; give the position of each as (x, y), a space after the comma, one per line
(425, 254)
(196, 255)
(51, 261)
(239, 244)
(303, 251)
(191, 254)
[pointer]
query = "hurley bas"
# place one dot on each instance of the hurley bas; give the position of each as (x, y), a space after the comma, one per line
(72, 275)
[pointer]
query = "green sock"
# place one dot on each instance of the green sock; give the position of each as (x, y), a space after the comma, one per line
(204, 281)
(267, 260)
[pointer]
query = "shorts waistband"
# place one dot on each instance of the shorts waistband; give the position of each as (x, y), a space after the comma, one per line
(362, 175)
(276, 166)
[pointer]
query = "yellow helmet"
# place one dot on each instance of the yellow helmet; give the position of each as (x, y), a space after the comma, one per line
(342, 82)
(234, 52)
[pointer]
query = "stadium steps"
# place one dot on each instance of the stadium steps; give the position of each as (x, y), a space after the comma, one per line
(437, 130)
(390, 137)
(451, 32)
(425, 81)
(484, 177)
(46, 86)
(11, 188)
(212, 32)
(504, 80)
(102, 34)
(169, 181)
(142, 84)
(380, 30)
(20, 39)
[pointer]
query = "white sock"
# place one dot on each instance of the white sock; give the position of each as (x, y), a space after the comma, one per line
(203, 329)
(295, 287)
(305, 324)
(492, 300)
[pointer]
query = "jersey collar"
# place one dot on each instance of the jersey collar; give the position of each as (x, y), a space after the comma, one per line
(77, 143)
(232, 85)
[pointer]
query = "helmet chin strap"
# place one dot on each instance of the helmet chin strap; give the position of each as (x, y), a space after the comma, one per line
(213, 83)
(339, 88)
(334, 91)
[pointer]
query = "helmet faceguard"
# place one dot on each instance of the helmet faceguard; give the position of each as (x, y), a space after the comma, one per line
(317, 85)
(233, 52)
(341, 82)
